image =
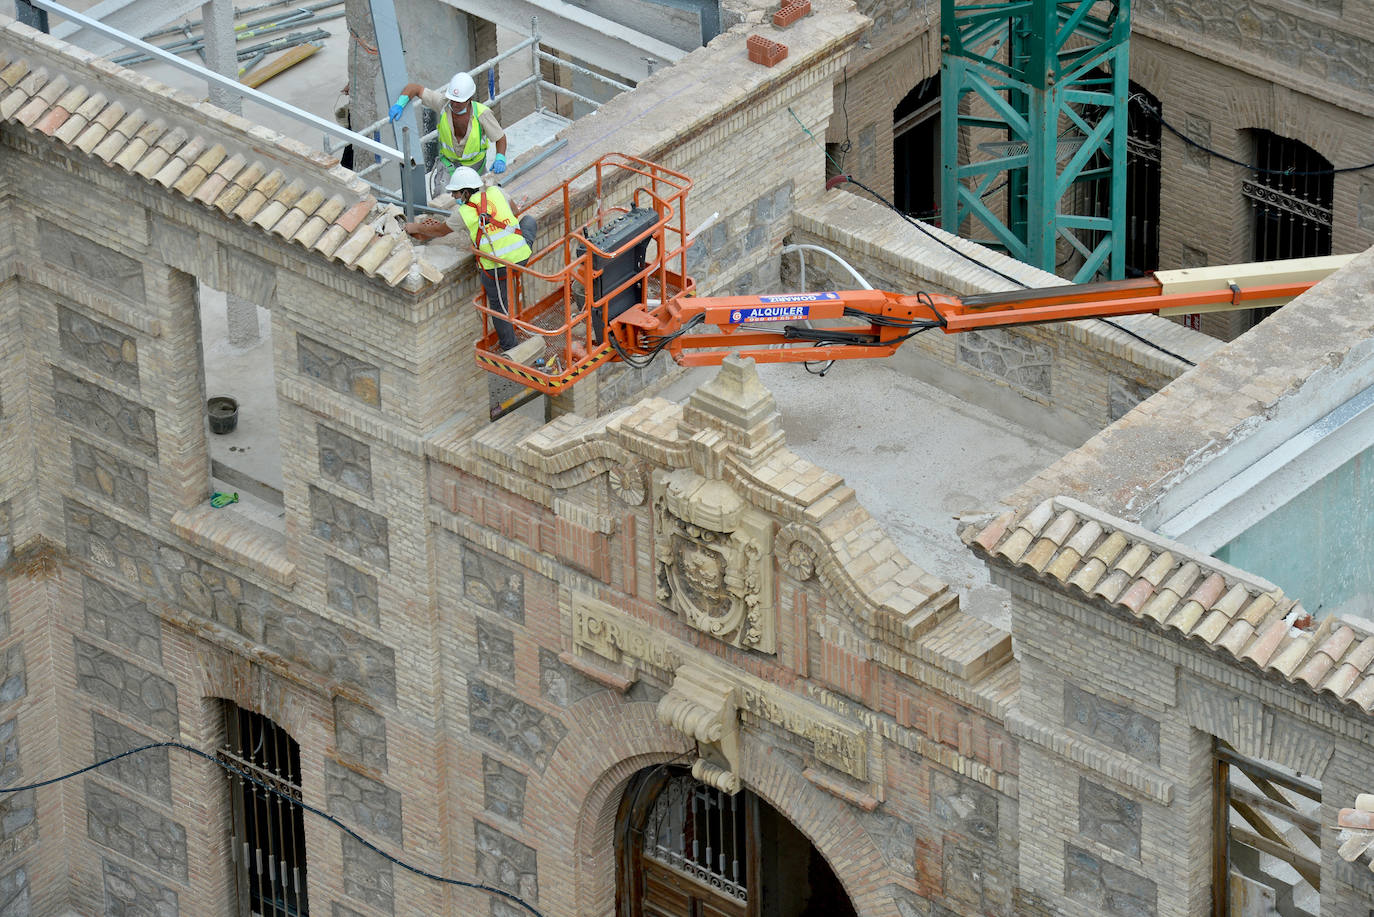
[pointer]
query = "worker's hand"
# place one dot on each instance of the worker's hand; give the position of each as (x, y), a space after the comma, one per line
(425, 229)
(414, 90)
(498, 165)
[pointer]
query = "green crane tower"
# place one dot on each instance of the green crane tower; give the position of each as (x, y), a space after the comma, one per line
(1039, 89)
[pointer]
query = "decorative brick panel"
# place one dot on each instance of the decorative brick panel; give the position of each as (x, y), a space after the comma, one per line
(850, 674)
(583, 548)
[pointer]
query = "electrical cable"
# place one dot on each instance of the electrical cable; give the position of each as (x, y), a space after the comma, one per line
(1159, 116)
(244, 775)
(1025, 286)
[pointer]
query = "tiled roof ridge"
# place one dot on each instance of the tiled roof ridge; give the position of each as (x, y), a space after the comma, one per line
(1176, 587)
(328, 221)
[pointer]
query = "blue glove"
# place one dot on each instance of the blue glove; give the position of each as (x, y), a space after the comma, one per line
(394, 111)
(498, 164)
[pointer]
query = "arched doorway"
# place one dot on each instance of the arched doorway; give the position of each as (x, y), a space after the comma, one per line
(686, 849)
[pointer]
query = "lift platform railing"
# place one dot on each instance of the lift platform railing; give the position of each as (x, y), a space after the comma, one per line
(561, 307)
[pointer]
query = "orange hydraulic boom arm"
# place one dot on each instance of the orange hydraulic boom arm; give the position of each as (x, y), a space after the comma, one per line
(613, 286)
(849, 324)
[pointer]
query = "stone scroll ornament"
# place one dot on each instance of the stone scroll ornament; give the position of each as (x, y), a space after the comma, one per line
(713, 560)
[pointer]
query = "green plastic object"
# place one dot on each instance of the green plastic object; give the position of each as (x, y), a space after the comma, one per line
(218, 499)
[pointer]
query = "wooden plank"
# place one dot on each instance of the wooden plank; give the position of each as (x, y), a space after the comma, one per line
(1308, 825)
(1309, 870)
(285, 61)
(1253, 768)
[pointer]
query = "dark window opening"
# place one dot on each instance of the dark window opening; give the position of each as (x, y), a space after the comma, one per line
(268, 845)
(1143, 135)
(1290, 195)
(916, 150)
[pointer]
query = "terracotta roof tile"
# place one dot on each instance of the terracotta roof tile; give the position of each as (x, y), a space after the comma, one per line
(1088, 575)
(328, 243)
(295, 218)
(54, 119)
(1038, 557)
(1185, 616)
(1264, 647)
(13, 73)
(992, 533)
(178, 161)
(397, 267)
(354, 215)
(1237, 636)
(1291, 654)
(1145, 574)
(351, 250)
(147, 135)
(120, 135)
(21, 92)
(198, 167)
(1364, 694)
(376, 254)
(1213, 625)
(98, 127)
(44, 99)
(239, 187)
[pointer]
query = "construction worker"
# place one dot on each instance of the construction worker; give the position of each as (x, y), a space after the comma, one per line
(466, 129)
(486, 216)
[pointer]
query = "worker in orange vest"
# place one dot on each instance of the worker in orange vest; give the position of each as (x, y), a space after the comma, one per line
(466, 129)
(495, 232)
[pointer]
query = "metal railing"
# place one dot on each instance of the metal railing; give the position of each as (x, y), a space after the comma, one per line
(537, 56)
(361, 140)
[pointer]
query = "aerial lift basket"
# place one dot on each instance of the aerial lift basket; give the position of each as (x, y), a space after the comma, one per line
(619, 241)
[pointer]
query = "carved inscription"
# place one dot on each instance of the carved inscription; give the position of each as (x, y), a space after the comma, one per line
(603, 630)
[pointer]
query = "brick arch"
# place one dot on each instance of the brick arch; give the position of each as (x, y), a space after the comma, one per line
(1287, 114)
(828, 823)
(582, 787)
(587, 776)
(224, 676)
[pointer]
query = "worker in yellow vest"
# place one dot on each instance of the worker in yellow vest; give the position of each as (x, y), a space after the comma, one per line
(467, 129)
(486, 216)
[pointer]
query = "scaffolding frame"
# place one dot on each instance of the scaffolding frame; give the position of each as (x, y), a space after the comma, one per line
(1050, 79)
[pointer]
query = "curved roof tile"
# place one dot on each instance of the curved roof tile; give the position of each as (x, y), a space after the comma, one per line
(237, 181)
(1150, 577)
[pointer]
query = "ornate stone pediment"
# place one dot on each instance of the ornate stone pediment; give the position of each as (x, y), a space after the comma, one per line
(713, 560)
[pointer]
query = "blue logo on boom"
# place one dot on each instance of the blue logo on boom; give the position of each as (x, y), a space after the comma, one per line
(783, 308)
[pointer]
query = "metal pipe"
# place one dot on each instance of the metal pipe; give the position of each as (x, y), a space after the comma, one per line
(534, 63)
(224, 82)
(788, 249)
(584, 71)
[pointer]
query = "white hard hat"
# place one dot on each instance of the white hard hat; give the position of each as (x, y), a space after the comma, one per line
(464, 178)
(460, 88)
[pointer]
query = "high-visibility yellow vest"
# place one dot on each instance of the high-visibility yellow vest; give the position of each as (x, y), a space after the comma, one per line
(475, 151)
(493, 228)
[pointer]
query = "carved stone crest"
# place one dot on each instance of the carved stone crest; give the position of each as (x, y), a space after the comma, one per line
(713, 559)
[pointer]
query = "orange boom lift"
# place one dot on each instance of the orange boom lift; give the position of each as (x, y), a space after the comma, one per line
(614, 287)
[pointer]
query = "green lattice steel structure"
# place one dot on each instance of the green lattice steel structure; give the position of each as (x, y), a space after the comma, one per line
(1035, 92)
